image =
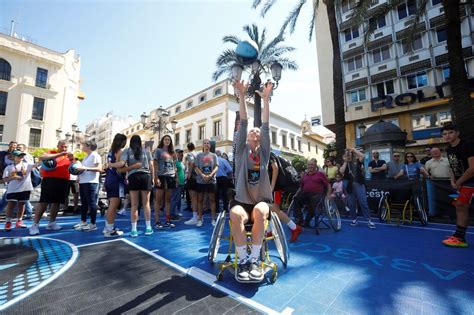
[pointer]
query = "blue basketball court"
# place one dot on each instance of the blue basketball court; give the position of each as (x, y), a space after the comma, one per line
(390, 270)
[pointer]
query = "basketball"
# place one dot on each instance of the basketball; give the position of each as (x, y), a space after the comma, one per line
(246, 52)
(73, 168)
(48, 165)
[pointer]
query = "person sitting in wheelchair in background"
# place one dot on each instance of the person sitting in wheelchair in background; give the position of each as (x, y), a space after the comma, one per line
(314, 186)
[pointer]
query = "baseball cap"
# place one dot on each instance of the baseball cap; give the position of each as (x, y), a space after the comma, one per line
(17, 153)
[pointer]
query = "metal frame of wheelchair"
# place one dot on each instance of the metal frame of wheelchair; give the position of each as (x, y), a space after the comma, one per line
(330, 212)
(386, 207)
(272, 225)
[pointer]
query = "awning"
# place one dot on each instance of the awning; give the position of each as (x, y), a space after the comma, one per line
(353, 52)
(421, 27)
(356, 84)
(415, 67)
(379, 42)
(383, 76)
(444, 59)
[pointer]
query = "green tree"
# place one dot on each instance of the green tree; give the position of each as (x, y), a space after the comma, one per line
(299, 163)
(330, 150)
(40, 151)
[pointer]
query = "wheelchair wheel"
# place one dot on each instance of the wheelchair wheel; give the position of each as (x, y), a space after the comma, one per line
(280, 239)
(421, 211)
(332, 213)
(383, 209)
(216, 237)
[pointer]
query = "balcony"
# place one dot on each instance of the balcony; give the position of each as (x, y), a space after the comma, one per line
(415, 57)
(355, 75)
(380, 33)
(383, 66)
(352, 43)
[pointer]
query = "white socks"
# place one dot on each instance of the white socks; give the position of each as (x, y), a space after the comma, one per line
(148, 224)
(255, 253)
(242, 253)
(195, 215)
(134, 226)
(291, 225)
(109, 227)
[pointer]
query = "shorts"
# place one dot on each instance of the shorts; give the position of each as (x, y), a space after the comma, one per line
(465, 194)
(277, 195)
(206, 188)
(247, 207)
(54, 190)
(19, 196)
(139, 181)
(115, 189)
(191, 184)
(166, 182)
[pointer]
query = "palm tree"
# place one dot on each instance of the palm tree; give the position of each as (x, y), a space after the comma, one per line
(461, 102)
(268, 53)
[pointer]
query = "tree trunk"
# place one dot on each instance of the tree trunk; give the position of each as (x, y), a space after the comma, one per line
(338, 93)
(461, 102)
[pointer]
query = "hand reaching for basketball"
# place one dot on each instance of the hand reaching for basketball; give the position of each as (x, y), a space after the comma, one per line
(241, 87)
(267, 91)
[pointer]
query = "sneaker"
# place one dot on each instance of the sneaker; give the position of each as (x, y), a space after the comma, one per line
(20, 225)
(371, 225)
(53, 226)
(149, 231)
(113, 233)
(89, 227)
(34, 229)
(192, 221)
(122, 211)
(199, 223)
(255, 271)
(454, 241)
(8, 226)
(168, 224)
(158, 225)
(213, 222)
(347, 209)
(133, 234)
(175, 217)
(295, 233)
(242, 272)
(354, 223)
(80, 225)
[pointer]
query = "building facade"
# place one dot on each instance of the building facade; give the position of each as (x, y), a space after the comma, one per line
(39, 92)
(383, 78)
(211, 113)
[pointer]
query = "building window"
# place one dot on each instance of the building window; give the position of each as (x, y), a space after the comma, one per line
(38, 108)
(274, 137)
(299, 145)
(292, 142)
(381, 54)
(385, 88)
(446, 73)
(189, 104)
(415, 45)
(188, 136)
(377, 23)
(217, 128)
(309, 146)
(351, 33)
(35, 138)
(177, 110)
(176, 139)
(441, 35)
(283, 141)
(3, 102)
(358, 95)
(354, 63)
(406, 9)
(430, 120)
(435, 2)
(316, 147)
(417, 80)
(218, 91)
(347, 5)
(5, 70)
(41, 77)
(202, 98)
(1, 133)
(202, 132)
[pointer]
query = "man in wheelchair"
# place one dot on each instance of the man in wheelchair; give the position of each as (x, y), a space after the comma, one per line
(252, 184)
(314, 187)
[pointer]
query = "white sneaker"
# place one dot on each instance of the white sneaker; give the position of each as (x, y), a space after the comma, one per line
(213, 222)
(199, 223)
(53, 226)
(122, 211)
(192, 221)
(34, 229)
(80, 226)
(89, 227)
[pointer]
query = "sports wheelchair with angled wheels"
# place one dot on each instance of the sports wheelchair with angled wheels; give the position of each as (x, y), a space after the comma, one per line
(273, 232)
(399, 204)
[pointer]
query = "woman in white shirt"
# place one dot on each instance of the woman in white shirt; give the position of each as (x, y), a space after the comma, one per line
(88, 185)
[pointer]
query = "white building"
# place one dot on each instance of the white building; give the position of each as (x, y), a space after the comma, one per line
(382, 79)
(211, 113)
(39, 92)
(103, 130)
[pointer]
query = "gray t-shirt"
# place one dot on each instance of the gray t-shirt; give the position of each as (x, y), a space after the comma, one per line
(165, 162)
(251, 171)
(191, 159)
(393, 168)
(206, 163)
(129, 158)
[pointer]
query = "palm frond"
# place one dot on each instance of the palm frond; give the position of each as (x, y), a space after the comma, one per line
(413, 30)
(288, 64)
(226, 57)
(256, 3)
(312, 23)
(292, 18)
(267, 6)
(219, 72)
(231, 39)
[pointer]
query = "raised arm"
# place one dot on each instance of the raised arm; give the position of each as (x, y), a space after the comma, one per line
(265, 94)
(241, 88)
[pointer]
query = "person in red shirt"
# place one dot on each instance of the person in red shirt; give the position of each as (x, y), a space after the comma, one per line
(314, 186)
(54, 187)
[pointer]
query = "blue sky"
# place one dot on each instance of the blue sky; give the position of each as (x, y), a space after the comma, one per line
(139, 55)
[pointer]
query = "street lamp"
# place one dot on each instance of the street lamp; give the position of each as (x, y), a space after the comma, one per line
(256, 69)
(59, 131)
(74, 135)
(362, 129)
(160, 125)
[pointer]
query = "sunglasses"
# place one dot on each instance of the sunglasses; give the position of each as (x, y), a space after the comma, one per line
(410, 156)
(396, 155)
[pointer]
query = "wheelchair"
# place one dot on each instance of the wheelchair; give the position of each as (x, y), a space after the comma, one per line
(400, 204)
(273, 232)
(326, 212)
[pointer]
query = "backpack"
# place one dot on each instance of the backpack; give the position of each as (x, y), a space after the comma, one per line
(35, 177)
(288, 178)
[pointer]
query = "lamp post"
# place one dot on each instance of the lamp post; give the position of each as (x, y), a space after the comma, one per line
(159, 125)
(59, 131)
(256, 69)
(74, 135)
